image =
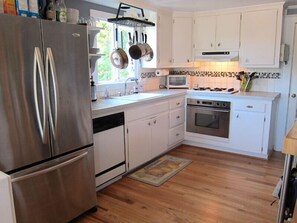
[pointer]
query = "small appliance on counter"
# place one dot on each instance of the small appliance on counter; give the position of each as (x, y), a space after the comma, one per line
(177, 82)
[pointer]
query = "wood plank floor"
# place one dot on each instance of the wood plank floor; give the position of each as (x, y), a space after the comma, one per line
(216, 187)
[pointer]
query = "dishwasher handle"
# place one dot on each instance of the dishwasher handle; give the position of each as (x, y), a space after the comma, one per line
(108, 122)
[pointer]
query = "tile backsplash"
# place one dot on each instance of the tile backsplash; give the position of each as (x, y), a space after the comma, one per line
(222, 74)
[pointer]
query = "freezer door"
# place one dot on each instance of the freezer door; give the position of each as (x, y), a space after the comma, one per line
(67, 68)
(23, 131)
(57, 191)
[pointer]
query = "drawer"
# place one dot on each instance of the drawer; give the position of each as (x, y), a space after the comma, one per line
(176, 134)
(177, 103)
(176, 117)
(254, 106)
(145, 111)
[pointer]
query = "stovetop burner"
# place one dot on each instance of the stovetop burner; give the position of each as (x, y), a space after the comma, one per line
(215, 90)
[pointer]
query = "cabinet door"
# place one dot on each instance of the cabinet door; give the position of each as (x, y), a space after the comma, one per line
(164, 41)
(247, 131)
(204, 33)
(227, 32)
(159, 134)
(258, 38)
(139, 143)
(182, 41)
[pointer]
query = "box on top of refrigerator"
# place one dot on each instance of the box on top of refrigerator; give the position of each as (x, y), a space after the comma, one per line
(33, 8)
(9, 7)
(1, 6)
(22, 7)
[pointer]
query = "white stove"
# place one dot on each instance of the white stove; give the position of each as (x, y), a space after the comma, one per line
(208, 90)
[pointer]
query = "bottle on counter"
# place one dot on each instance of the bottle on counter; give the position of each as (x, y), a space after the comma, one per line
(50, 11)
(61, 11)
(93, 90)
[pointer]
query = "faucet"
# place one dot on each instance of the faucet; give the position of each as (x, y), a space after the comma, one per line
(131, 79)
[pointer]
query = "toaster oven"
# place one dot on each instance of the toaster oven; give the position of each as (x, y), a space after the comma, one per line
(177, 81)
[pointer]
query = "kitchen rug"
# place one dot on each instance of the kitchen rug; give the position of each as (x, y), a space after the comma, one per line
(159, 171)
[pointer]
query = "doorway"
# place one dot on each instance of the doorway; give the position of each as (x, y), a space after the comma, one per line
(292, 108)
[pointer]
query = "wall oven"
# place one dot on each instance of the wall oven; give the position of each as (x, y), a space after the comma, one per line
(208, 117)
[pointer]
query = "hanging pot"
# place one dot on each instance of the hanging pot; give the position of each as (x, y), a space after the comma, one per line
(118, 57)
(149, 51)
(137, 50)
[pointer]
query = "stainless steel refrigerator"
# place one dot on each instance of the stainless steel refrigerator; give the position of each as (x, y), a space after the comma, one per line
(46, 141)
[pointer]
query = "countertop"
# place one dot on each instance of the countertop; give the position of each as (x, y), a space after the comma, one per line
(257, 95)
(117, 104)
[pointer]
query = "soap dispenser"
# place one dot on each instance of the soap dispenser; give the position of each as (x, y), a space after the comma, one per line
(93, 90)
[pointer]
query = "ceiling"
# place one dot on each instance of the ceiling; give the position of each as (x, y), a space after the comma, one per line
(192, 5)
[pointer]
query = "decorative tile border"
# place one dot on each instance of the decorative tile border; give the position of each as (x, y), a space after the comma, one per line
(148, 75)
(262, 75)
(224, 74)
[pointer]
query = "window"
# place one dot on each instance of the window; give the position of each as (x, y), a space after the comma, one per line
(104, 71)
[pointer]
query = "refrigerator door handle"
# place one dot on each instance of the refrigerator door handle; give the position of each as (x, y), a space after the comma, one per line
(44, 171)
(39, 70)
(51, 69)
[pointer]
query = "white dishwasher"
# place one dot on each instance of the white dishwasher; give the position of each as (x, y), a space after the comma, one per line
(109, 147)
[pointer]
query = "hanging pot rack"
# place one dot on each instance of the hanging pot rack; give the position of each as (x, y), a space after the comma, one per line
(129, 21)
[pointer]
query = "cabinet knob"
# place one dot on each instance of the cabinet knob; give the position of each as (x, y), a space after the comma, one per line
(293, 95)
(219, 44)
(149, 123)
(237, 116)
(177, 134)
(178, 103)
(249, 106)
(188, 60)
(155, 121)
(177, 117)
(211, 45)
(246, 60)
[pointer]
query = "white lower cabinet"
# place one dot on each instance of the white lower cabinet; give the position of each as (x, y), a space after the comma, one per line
(147, 133)
(139, 140)
(248, 131)
(176, 121)
(252, 126)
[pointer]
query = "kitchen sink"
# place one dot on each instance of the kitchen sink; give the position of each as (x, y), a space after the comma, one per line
(138, 97)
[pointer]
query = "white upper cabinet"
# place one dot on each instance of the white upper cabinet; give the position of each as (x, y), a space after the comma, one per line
(160, 39)
(261, 38)
(165, 40)
(216, 32)
(182, 41)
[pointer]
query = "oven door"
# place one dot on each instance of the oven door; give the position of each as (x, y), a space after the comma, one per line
(208, 121)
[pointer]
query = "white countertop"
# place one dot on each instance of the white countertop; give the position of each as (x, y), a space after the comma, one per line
(118, 104)
(256, 95)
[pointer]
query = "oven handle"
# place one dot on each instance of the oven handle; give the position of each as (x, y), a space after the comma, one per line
(195, 107)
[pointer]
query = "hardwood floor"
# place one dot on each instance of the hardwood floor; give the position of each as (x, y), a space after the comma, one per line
(216, 187)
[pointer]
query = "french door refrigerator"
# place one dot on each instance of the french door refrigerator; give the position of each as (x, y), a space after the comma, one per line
(46, 142)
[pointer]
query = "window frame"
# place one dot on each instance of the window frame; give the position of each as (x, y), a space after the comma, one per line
(116, 72)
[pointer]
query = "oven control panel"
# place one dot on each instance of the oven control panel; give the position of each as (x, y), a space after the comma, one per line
(208, 103)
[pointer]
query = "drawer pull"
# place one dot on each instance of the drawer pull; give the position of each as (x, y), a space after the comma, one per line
(178, 103)
(177, 117)
(177, 134)
(249, 106)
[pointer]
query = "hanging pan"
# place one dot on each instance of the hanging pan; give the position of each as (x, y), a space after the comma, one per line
(149, 51)
(118, 57)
